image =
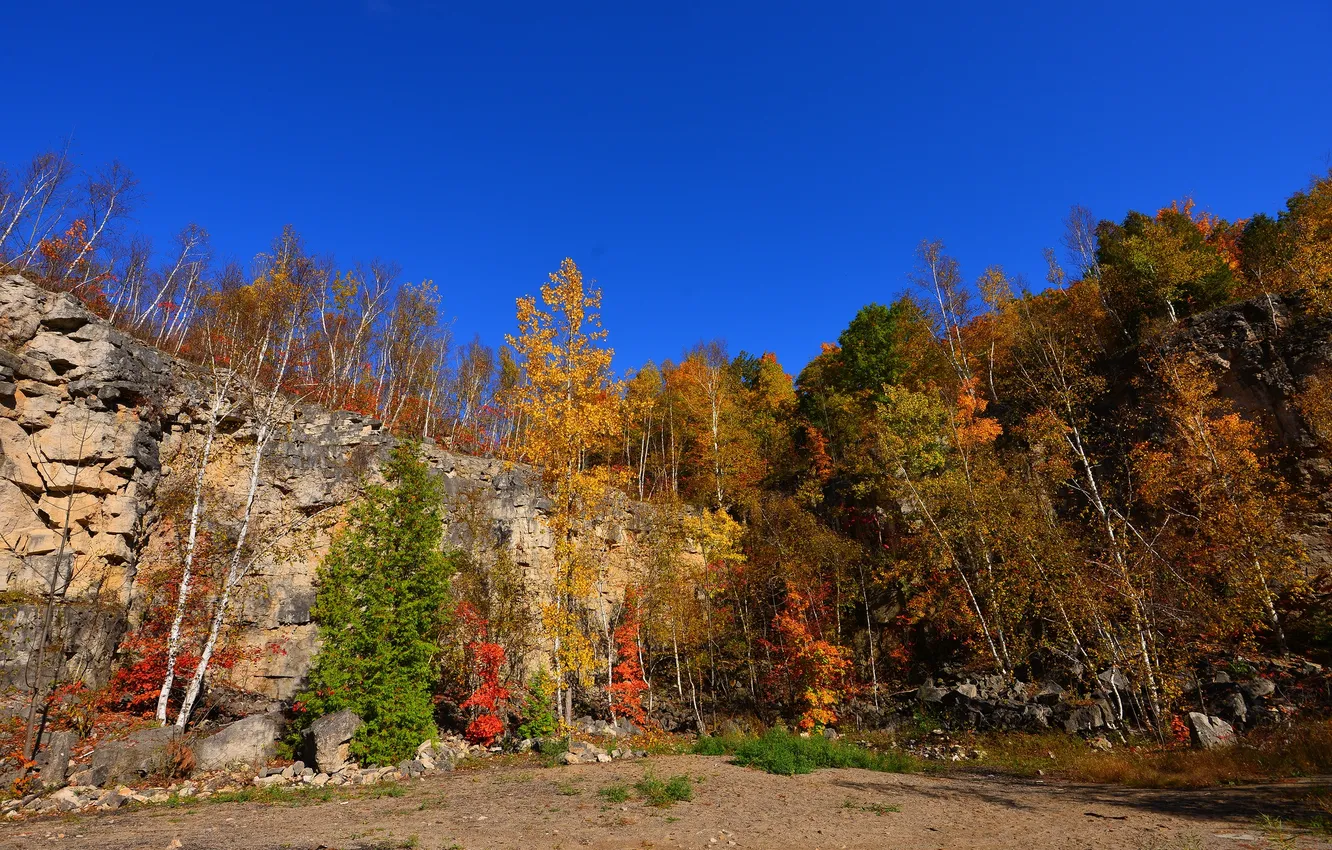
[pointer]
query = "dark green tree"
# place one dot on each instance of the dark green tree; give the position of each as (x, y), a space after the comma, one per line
(872, 347)
(382, 602)
(1264, 254)
(1161, 266)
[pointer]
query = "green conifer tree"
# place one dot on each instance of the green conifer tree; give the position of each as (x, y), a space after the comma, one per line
(382, 602)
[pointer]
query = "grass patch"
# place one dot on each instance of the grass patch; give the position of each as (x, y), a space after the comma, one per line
(615, 793)
(1304, 749)
(719, 745)
(876, 808)
(273, 794)
(567, 789)
(664, 793)
(551, 751)
(778, 751)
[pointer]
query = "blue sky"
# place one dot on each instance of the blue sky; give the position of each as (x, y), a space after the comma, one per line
(754, 172)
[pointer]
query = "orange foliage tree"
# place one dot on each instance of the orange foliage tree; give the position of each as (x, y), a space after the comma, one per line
(627, 682)
(816, 669)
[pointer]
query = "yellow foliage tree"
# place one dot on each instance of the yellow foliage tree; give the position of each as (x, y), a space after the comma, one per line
(568, 401)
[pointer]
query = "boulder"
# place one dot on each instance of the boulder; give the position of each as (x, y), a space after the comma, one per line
(929, 693)
(1084, 718)
(967, 690)
(1113, 679)
(55, 759)
(328, 740)
(1036, 717)
(143, 753)
(1233, 708)
(1256, 689)
(250, 741)
(66, 800)
(1210, 732)
(624, 728)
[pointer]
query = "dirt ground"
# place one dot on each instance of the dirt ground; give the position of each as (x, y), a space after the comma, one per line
(534, 807)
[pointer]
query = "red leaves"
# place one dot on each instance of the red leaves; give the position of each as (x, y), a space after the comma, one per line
(487, 661)
(627, 683)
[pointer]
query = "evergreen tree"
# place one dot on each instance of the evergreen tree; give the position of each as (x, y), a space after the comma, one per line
(382, 602)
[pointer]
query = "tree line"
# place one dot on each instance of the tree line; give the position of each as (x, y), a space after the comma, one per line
(982, 473)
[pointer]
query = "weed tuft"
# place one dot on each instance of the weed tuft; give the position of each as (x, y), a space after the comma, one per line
(778, 751)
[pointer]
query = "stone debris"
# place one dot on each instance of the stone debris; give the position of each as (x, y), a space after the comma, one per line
(434, 756)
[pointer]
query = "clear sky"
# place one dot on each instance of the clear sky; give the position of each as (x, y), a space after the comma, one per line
(754, 172)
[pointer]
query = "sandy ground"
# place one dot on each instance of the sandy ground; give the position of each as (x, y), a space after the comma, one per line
(530, 808)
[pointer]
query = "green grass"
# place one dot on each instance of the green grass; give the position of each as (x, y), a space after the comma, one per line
(615, 793)
(567, 789)
(272, 794)
(551, 751)
(876, 808)
(659, 793)
(778, 751)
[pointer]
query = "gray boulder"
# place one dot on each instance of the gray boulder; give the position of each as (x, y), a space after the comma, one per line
(1083, 718)
(328, 740)
(1050, 694)
(142, 754)
(624, 728)
(55, 759)
(1233, 708)
(582, 752)
(1256, 689)
(1209, 732)
(1113, 679)
(250, 741)
(1036, 717)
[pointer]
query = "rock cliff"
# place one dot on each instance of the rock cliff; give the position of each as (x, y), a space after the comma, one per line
(1263, 353)
(100, 434)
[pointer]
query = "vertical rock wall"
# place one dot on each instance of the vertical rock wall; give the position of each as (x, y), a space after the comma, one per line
(101, 434)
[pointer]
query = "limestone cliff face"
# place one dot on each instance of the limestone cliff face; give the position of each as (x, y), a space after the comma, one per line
(100, 435)
(1263, 353)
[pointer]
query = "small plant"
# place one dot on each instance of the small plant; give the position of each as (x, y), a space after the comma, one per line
(876, 808)
(178, 761)
(615, 793)
(655, 792)
(491, 695)
(552, 750)
(567, 789)
(627, 685)
(538, 719)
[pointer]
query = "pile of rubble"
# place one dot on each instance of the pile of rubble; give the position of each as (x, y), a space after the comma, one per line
(236, 757)
(227, 761)
(1240, 696)
(938, 746)
(584, 752)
